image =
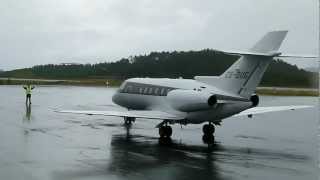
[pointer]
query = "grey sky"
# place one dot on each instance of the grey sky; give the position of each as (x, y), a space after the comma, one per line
(88, 31)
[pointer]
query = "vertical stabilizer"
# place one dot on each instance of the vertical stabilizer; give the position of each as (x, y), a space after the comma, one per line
(245, 74)
(270, 42)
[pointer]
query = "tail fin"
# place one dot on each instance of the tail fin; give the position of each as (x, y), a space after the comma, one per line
(245, 74)
(271, 42)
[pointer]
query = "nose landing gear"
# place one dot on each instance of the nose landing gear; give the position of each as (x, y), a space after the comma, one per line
(208, 131)
(128, 120)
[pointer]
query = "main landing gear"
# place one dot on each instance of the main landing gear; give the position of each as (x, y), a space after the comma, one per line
(165, 133)
(208, 131)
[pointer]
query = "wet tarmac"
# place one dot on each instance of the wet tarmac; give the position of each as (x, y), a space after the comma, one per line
(37, 143)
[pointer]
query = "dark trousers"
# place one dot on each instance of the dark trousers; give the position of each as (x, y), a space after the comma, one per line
(28, 98)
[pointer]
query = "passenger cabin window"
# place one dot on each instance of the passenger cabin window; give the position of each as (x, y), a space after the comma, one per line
(150, 90)
(145, 90)
(137, 88)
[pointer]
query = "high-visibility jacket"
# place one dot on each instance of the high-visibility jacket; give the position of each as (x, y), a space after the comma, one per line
(28, 88)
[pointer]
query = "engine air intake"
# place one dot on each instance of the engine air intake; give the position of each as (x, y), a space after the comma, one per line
(212, 100)
(255, 100)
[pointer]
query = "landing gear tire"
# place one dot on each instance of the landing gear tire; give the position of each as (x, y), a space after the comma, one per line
(208, 139)
(208, 131)
(165, 131)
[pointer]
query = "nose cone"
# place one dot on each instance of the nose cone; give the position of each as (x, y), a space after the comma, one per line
(115, 98)
(119, 99)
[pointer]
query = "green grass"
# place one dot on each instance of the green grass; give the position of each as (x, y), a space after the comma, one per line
(293, 92)
(115, 82)
(84, 82)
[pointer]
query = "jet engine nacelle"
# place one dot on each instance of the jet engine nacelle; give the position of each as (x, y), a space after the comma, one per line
(189, 100)
(255, 100)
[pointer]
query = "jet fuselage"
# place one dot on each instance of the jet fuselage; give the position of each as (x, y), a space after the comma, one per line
(151, 94)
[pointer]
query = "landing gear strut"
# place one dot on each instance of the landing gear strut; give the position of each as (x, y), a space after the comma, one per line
(208, 131)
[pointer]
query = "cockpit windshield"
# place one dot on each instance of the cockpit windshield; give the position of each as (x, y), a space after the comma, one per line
(122, 85)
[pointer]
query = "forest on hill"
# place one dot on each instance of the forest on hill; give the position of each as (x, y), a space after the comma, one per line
(186, 64)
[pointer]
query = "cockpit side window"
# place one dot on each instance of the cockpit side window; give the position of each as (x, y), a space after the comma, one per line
(150, 90)
(168, 90)
(128, 89)
(163, 92)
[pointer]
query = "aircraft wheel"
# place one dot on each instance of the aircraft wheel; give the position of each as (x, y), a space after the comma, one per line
(165, 141)
(165, 131)
(208, 139)
(168, 131)
(128, 120)
(208, 129)
(162, 131)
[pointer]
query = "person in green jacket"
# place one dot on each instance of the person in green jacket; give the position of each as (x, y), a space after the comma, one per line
(28, 89)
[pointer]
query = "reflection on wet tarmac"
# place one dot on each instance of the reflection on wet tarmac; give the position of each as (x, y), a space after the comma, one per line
(141, 154)
(27, 116)
(136, 156)
(142, 157)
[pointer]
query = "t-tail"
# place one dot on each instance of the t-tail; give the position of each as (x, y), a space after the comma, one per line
(245, 74)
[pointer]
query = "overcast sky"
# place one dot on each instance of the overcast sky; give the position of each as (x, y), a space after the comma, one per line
(88, 31)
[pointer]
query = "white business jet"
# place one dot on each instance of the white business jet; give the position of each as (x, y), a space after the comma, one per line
(204, 99)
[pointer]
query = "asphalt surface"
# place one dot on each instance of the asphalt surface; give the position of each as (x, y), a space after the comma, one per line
(37, 143)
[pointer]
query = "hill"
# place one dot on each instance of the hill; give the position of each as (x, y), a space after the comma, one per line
(312, 69)
(167, 64)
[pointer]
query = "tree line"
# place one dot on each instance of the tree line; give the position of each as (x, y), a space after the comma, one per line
(186, 64)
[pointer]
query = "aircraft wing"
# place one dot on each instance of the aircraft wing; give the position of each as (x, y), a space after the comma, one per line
(260, 110)
(148, 114)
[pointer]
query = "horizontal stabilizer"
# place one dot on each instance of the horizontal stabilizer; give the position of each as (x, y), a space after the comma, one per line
(270, 54)
(242, 53)
(260, 110)
(297, 56)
